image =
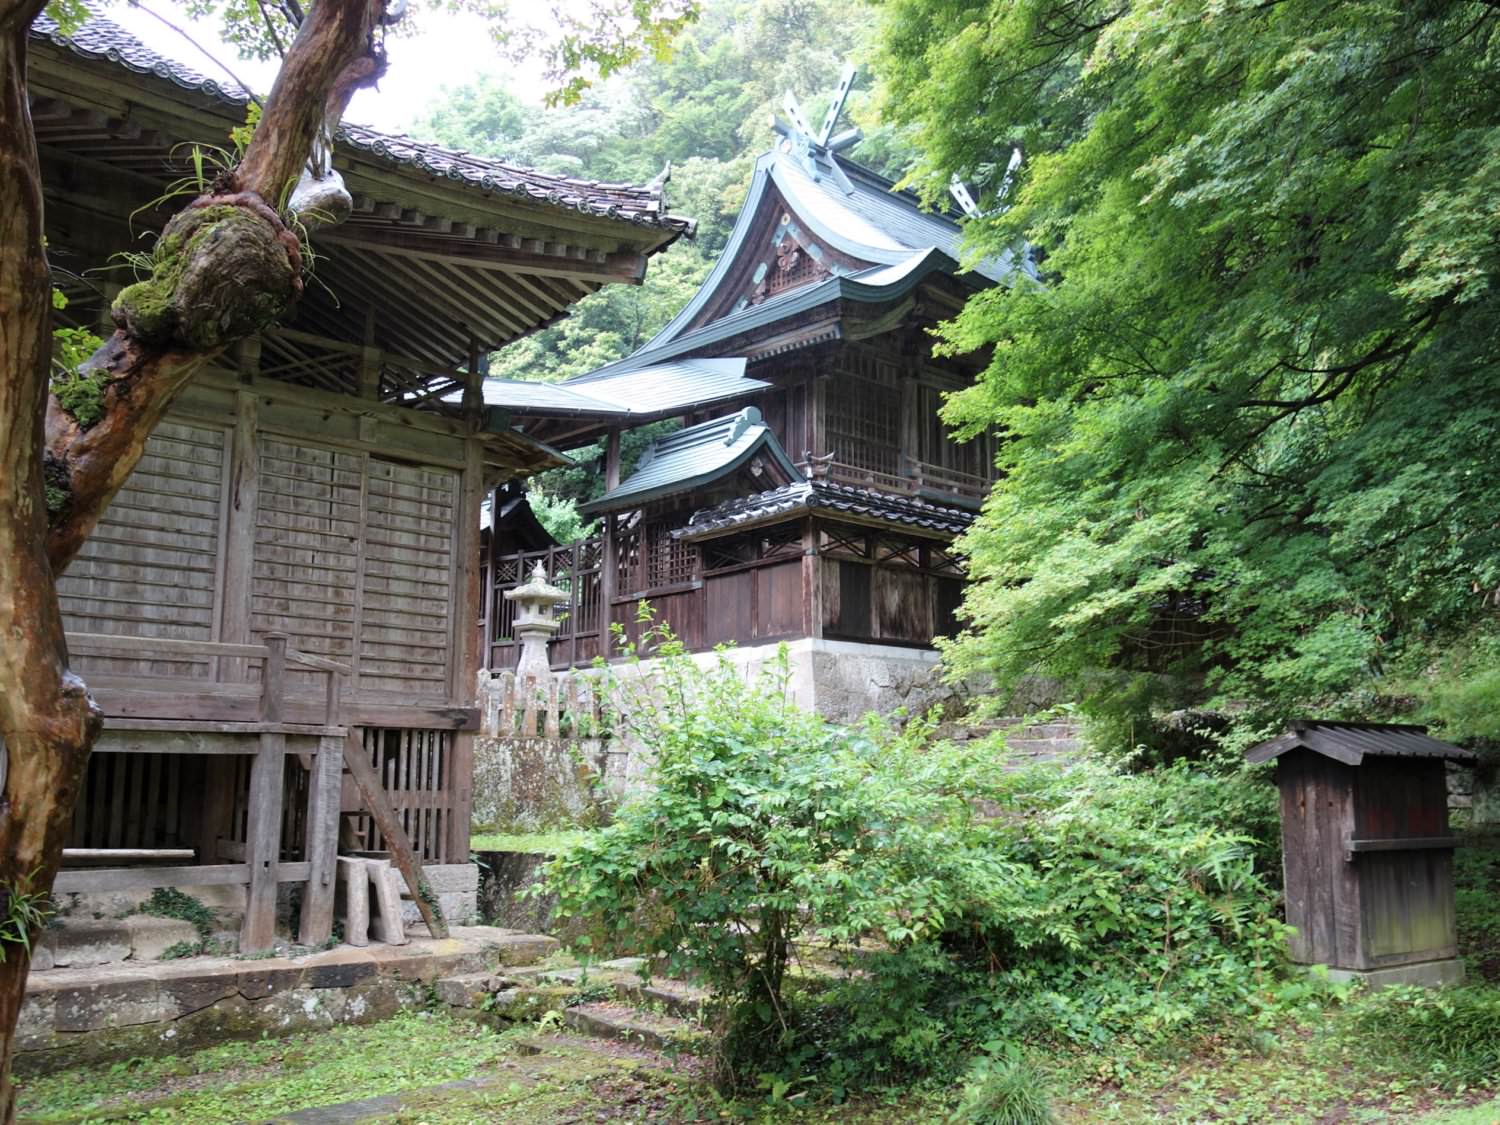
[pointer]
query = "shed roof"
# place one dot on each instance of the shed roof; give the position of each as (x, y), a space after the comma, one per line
(863, 504)
(1352, 743)
(696, 456)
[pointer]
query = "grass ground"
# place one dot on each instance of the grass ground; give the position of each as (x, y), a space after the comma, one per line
(1316, 1065)
(535, 843)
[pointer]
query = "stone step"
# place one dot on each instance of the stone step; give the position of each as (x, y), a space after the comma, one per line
(87, 943)
(614, 1019)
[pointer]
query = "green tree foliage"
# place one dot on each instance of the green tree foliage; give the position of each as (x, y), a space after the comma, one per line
(1252, 409)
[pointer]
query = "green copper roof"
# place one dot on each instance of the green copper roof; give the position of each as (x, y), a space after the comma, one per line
(696, 456)
(641, 392)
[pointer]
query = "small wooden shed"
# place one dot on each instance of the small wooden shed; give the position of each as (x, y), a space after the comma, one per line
(1367, 854)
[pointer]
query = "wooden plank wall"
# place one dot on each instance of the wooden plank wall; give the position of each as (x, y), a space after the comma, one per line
(151, 568)
(343, 535)
(1406, 897)
(407, 580)
(307, 549)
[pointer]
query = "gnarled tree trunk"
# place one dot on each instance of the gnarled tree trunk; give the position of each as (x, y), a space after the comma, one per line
(225, 267)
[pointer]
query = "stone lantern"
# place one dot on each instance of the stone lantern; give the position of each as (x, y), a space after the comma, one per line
(535, 623)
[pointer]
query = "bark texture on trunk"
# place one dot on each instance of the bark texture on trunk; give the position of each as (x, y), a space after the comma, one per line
(47, 722)
(224, 268)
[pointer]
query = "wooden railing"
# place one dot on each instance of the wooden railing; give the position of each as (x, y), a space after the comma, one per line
(234, 699)
(916, 476)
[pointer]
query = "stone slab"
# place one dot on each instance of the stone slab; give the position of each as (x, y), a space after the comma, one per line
(81, 943)
(150, 937)
(466, 990)
(1432, 974)
(452, 878)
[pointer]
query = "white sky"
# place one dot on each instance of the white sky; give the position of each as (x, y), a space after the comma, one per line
(448, 50)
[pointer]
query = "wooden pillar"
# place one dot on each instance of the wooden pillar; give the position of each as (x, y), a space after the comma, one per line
(488, 595)
(263, 826)
(473, 397)
(322, 832)
(812, 581)
(239, 537)
(466, 654)
(263, 843)
(612, 461)
(609, 561)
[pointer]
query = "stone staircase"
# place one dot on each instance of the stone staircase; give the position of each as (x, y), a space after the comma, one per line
(607, 1001)
(1028, 744)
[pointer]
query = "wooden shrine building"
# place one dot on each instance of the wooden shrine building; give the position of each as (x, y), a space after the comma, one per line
(813, 492)
(276, 613)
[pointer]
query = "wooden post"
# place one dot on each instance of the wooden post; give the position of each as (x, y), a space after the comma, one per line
(608, 564)
(369, 360)
(473, 397)
(273, 678)
(239, 539)
(812, 581)
(263, 843)
(373, 796)
(466, 646)
(322, 834)
(612, 461)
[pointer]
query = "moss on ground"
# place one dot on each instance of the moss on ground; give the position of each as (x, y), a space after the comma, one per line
(536, 843)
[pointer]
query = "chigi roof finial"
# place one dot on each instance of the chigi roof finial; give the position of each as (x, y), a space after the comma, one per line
(814, 151)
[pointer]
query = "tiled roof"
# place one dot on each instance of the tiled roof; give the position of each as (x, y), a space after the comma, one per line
(102, 38)
(696, 456)
(827, 497)
(1351, 743)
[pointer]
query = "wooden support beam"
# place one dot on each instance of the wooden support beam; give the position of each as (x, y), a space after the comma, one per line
(466, 644)
(322, 834)
(273, 678)
(391, 831)
(626, 267)
(125, 878)
(242, 502)
(263, 843)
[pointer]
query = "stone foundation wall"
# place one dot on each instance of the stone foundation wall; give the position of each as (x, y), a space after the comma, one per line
(73, 1016)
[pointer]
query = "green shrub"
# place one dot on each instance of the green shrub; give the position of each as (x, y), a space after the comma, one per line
(1005, 1090)
(1075, 906)
(1449, 1037)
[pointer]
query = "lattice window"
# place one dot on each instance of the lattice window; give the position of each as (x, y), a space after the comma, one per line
(863, 427)
(670, 561)
(794, 268)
